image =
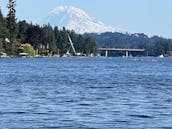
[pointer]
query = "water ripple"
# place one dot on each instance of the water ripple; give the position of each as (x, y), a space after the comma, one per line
(85, 93)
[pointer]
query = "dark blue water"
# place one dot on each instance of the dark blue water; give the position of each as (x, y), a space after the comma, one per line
(85, 93)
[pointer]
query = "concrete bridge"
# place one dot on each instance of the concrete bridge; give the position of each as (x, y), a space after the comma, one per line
(126, 50)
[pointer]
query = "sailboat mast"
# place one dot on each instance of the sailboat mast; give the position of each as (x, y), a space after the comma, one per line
(71, 43)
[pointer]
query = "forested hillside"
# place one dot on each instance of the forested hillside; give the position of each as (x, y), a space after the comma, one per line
(44, 39)
(154, 45)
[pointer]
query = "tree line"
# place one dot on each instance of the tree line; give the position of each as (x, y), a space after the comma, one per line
(44, 39)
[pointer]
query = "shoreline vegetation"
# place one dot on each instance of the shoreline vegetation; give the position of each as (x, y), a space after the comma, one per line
(19, 38)
(22, 39)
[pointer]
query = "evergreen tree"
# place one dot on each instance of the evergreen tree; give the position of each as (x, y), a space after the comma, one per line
(56, 35)
(12, 26)
(22, 31)
(63, 43)
(35, 36)
(1, 23)
(49, 38)
(3, 34)
(89, 45)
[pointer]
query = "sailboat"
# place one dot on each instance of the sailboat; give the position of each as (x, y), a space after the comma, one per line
(68, 54)
(161, 56)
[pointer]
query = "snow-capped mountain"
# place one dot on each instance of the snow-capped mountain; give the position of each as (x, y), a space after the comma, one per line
(76, 19)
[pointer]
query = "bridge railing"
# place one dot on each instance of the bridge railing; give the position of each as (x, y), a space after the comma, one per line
(126, 50)
(121, 49)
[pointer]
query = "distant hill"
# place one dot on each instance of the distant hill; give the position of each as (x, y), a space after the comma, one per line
(121, 40)
(154, 46)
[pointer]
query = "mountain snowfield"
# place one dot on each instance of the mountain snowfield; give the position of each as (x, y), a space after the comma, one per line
(76, 19)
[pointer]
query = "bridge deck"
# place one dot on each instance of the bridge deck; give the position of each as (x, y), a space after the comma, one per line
(121, 49)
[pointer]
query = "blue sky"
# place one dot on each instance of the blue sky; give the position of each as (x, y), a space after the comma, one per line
(153, 17)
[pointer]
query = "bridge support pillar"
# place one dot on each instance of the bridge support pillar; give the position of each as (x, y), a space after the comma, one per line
(106, 53)
(126, 54)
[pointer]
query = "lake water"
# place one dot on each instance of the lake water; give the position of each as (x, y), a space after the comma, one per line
(85, 93)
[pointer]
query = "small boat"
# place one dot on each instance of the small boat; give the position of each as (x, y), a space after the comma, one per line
(152, 60)
(161, 56)
(3, 55)
(75, 54)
